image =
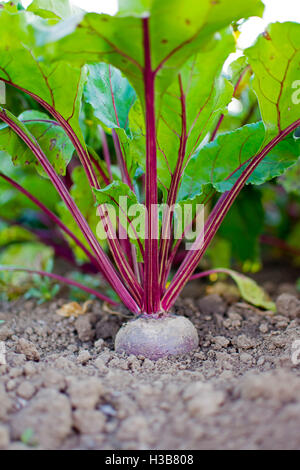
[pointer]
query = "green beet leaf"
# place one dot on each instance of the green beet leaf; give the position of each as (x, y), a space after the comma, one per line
(250, 290)
(177, 30)
(217, 162)
(110, 95)
(49, 135)
(59, 85)
(53, 8)
(274, 60)
(291, 179)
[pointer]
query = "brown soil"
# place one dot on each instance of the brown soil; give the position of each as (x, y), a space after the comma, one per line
(63, 386)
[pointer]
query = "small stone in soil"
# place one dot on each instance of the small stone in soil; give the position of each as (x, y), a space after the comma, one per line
(28, 349)
(288, 305)
(212, 304)
(83, 357)
(26, 390)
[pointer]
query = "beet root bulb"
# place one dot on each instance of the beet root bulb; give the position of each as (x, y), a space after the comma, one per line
(155, 338)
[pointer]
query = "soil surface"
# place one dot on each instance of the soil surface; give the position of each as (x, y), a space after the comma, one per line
(64, 387)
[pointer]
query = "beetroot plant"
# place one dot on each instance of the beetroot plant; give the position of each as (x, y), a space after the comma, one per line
(151, 80)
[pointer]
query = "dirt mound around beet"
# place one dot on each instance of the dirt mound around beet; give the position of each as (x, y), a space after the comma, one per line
(63, 386)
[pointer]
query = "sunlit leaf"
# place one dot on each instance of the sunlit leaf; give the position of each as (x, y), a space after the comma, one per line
(177, 30)
(274, 59)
